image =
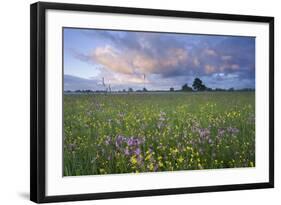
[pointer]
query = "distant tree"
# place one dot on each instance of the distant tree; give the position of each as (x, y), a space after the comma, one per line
(231, 89)
(124, 90)
(186, 88)
(198, 85)
(130, 90)
(246, 89)
(172, 89)
(220, 89)
(87, 91)
(144, 90)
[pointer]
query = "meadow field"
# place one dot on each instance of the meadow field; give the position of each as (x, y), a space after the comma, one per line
(149, 132)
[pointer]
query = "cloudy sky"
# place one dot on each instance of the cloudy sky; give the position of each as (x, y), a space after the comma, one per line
(157, 61)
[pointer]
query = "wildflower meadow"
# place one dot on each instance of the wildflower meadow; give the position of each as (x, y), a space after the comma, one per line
(110, 133)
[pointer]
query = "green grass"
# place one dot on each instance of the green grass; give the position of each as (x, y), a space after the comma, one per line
(123, 133)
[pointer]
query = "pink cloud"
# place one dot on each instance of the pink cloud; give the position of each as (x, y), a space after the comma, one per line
(110, 58)
(137, 62)
(210, 69)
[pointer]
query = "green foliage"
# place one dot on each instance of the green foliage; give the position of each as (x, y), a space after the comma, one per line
(186, 88)
(147, 132)
(198, 85)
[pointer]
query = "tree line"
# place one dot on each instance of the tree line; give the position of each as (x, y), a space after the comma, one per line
(197, 86)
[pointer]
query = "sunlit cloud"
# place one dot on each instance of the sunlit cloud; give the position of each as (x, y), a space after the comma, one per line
(210, 69)
(111, 59)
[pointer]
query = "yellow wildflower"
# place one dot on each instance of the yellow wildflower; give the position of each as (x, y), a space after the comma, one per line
(251, 164)
(134, 159)
(150, 166)
(148, 157)
(180, 159)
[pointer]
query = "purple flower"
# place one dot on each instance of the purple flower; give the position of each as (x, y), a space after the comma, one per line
(137, 151)
(131, 145)
(232, 130)
(133, 141)
(119, 140)
(204, 133)
(127, 152)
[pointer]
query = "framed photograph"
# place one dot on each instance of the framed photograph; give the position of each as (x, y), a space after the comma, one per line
(129, 102)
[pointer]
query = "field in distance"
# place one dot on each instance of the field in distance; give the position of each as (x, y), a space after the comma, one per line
(149, 132)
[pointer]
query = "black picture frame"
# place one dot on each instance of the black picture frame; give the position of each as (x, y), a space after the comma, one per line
(38, 100)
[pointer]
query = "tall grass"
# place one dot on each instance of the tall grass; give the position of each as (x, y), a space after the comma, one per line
(123, 133)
